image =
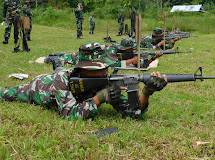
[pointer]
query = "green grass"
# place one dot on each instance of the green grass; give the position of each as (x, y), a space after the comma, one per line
(178, 116)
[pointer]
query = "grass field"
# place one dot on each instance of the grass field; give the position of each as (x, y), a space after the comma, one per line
(179, 116)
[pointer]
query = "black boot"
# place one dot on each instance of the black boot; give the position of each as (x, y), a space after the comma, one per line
(5, 41)
(78, 37)
(89, 32)
(92, 32)
(118, 34)
(56, 63)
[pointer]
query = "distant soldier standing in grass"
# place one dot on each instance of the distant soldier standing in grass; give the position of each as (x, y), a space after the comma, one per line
(121, 22)
(79, 19)
(11, 8)
(92, 23)
(27, 12)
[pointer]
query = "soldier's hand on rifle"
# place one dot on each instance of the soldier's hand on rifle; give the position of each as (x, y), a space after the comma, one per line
(156, 83)
(162, 43)
(176, 39)
(14, 12)
(110, 94)
(157, 54)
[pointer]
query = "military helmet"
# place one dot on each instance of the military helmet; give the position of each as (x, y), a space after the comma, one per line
(158, 31)
(127, 42)
(93, 56)
(26, 1)
(80, 5)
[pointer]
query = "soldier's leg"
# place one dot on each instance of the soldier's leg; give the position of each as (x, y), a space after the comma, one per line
(78, 29)
(15, 93)
(90, 31)
(121, 28)
(8, 25)
(30, 29)
(93, 27)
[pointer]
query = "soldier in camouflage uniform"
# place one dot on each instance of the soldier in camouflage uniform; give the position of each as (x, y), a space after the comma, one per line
(158, 34)
(126, 45)
(121, 22)
(92, 23)
(79, 19)
(27, 12)
(11, 8)
(53, 91)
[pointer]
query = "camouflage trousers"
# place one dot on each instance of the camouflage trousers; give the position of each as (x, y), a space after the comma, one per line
(8, 26)
(22, 93)
(92, 27)
(79, 28)
(121, 26)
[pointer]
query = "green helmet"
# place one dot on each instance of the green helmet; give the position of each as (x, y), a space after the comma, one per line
(26, 1)
(93, 56)
(128, 42)
(158, 31)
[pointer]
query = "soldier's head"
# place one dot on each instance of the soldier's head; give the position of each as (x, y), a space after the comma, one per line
(80, 6)
(122, 11)
(92, 14)
(27, 2)
(157, 33)
(94, 60)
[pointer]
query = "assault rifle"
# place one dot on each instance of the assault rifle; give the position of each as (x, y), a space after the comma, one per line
(84, 88)
(145, 54)
(169, 38)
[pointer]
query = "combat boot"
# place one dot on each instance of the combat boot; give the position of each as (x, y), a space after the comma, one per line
(5, 41)
(78, 37)
(56, 63)
(119, 34)
(92, 32)
(89, 32)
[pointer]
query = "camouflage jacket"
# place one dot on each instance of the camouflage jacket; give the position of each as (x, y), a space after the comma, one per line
(79, 14)
(147, 42)
(10, 6)
(92, 20)
(27, 11)
(121, 18)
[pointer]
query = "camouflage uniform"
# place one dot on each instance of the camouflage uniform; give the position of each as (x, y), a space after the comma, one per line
(51, 91)
(27, 12)
(92, 23)
(121, 22)
(9, 7)
(79, 20)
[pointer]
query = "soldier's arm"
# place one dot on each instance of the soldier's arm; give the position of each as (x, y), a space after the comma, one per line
(4, 9)
(28, 11)
(19, 7)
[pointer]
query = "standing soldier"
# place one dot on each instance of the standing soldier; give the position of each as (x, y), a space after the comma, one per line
(121, 22)
(92, 23)
(27, 12)
(79, 19)
(10, 10)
